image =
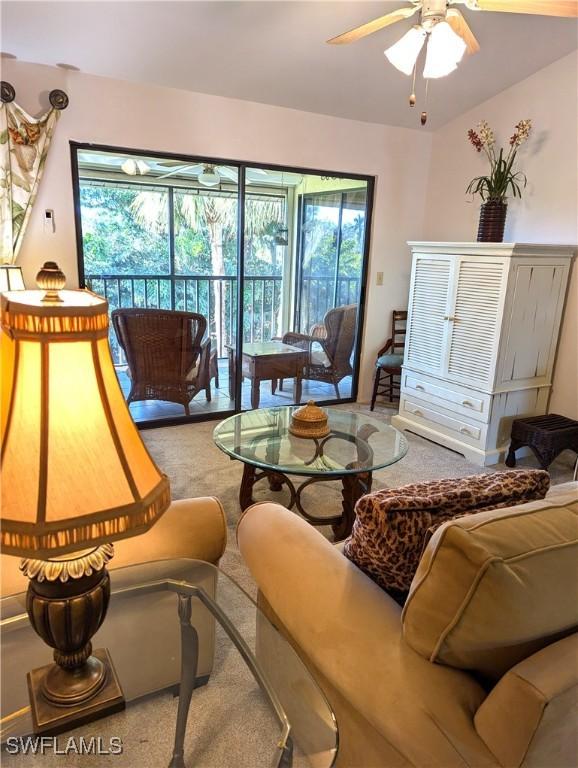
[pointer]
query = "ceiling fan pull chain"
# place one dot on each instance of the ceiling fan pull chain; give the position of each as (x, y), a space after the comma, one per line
(412, 95)
(423, 116)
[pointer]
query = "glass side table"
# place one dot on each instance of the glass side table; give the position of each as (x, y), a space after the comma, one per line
(208, 681)
(356, 446)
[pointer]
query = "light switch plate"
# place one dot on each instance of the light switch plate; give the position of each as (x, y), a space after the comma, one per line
(49, 221)
(379, 278)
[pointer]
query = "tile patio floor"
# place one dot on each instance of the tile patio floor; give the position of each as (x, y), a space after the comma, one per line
(220, 401)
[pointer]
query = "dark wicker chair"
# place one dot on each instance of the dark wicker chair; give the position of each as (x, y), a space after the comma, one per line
(165, 352)
(330, 345)
(389, 361)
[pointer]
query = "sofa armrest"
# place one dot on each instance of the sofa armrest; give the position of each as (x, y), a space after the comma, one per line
(543, 692)
(349, 630)
(191, 528)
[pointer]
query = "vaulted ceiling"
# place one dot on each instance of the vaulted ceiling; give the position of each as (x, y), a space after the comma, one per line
(275, 52)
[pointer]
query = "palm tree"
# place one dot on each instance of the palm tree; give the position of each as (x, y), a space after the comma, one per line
(218, 214)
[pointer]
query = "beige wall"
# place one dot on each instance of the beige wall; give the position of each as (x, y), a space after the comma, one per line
(114, 112)
(548, 212)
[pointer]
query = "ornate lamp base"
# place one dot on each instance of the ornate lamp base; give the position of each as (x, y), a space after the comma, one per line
(51, 718)
(67, 601)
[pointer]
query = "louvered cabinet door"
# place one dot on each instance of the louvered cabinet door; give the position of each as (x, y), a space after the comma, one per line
(426, 323)
(475, 321)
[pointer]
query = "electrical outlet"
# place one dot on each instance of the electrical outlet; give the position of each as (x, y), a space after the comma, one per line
(379, 278)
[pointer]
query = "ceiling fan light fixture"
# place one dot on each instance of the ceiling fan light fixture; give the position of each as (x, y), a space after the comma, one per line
(444, 51)
(404, 53)
(142, 167)
(135, 167)
(129, 167)
(209, 177)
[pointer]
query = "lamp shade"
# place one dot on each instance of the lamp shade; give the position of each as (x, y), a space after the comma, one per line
(75, 472)
(11, 278)
(444, 50)
(404, 53)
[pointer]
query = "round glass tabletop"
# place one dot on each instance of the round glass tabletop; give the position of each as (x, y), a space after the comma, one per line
(357, 442)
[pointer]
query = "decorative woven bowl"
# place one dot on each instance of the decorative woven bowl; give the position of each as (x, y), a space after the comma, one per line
(309, 421)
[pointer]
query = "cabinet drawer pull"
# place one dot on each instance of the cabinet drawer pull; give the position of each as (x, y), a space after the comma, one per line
(420, 387)
(468, 403)
(466, 431)
(451, 318)
(417, 412)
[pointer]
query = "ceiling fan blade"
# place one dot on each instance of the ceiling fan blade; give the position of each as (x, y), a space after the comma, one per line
(227, 173)
(540, 7)
(177, 170)
(460, 26)
(373, 26)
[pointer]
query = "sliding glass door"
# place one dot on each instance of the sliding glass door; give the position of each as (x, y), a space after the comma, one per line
(160, 236)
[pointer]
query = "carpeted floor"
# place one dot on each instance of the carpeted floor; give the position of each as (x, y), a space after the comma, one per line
(196, 467)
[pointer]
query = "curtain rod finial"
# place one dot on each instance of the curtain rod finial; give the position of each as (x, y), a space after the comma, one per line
(58, 99)
(7, 92)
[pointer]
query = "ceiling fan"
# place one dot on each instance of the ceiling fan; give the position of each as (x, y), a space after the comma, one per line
(208, 174)
(445, 31)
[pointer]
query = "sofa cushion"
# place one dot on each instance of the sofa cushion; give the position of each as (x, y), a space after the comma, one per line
(393, 524)
(494, 587)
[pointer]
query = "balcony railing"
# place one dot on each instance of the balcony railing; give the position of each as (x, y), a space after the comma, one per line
(215, 297)
(320, 294)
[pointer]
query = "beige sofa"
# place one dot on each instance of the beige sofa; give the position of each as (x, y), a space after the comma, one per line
(481, 667)
(192, 528)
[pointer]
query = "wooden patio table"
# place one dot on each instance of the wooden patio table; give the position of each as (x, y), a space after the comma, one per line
(267, 361)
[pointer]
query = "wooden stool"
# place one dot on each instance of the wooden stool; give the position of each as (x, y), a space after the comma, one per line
(547, 436)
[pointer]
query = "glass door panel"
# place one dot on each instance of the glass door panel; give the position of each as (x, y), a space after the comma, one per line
(161, 235)
(330, 256)
(267, 285)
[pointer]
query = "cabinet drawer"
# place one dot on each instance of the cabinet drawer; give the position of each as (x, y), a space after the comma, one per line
(467, 432)
(460, 400)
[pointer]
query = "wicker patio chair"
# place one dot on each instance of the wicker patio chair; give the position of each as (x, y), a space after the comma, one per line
(165, 352)
(389, 361)
(330, 345)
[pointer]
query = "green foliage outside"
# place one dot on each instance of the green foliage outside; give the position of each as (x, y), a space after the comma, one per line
(126, 232)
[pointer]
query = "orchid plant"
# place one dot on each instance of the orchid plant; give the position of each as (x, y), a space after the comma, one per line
(502, 177)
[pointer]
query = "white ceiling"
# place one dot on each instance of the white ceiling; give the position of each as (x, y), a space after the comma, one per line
(274, 52)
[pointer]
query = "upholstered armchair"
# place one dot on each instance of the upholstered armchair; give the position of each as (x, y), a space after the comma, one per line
(329, 345)
(479, 669)
(167, 354)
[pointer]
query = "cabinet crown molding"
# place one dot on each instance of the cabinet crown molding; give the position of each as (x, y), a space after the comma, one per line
(495, 249)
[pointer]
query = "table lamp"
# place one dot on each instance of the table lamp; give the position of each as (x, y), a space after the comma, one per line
(11, 278)
(76, 476)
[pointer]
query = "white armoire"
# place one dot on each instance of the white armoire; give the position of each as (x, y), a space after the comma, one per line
(482, 332)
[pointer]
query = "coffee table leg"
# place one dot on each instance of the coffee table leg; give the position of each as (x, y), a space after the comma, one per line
(354, 487)
(247, 483)
(189, 663)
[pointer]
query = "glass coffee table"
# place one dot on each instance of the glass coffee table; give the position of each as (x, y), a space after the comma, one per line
(356, 446)
(174, 626)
